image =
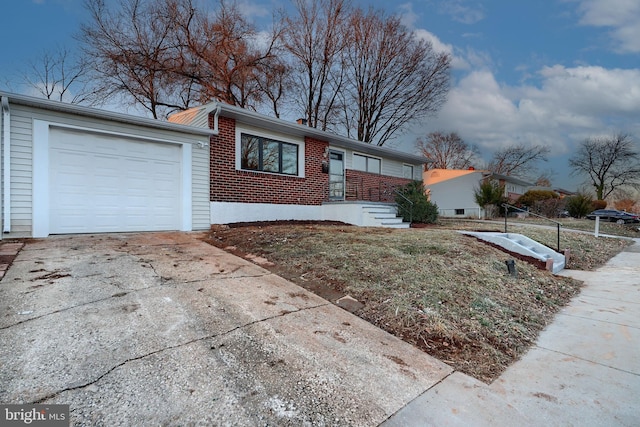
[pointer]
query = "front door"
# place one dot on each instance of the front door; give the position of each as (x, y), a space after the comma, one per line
(336, 175)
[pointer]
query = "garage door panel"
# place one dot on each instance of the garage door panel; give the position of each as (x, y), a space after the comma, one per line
(106, 184)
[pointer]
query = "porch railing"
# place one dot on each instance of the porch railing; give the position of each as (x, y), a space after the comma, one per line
(507, 206)
(400, 207)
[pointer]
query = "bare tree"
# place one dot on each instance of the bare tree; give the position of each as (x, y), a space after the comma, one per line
(166, 55)
(221, 53)
(275, 83)
(394, 78)
(517, 159)
(545, 178)
(131, 47)
(608, 162)
(447, 151)
(316, 39)
(57, 75)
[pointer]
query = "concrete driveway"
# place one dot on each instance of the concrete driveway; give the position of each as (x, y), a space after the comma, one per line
(164, 329)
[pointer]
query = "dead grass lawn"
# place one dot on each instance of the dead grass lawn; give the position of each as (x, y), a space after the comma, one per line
(444, 292)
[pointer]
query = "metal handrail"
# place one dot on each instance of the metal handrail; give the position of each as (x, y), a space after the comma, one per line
(506, 207)
(410, 211)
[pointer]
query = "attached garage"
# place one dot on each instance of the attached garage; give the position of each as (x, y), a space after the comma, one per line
(80, 170)
(100, 183)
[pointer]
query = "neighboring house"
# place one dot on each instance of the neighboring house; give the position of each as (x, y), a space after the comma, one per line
(513, 187)
(264, 168)
(564, 193)
(72, 169)
(453, 190)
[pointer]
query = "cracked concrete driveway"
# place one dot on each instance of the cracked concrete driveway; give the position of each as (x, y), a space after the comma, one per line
(164, 329)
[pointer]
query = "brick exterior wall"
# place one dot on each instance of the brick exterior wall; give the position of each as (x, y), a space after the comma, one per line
(231, 185)
(372, 187)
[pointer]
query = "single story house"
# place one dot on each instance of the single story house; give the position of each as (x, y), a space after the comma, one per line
(72, 169)
(453, 190)
(263, 168)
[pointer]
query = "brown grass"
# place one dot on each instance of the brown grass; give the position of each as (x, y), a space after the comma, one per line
(444, 292)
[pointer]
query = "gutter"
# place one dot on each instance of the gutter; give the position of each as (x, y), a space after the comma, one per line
(6, 165)
(293, 128)
(63, 107)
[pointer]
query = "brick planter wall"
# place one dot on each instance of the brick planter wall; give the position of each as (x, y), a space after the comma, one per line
(372, 187)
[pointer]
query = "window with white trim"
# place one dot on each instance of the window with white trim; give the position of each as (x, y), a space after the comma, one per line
(268, 155)
(366, 163)
(407, 171)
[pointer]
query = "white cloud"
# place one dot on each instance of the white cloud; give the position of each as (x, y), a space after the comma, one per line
(252, 10)
(461, 59)
(408, 17)
(460, 11)
(592, 90)
(622, 16)
(568, 105)
(457, 62)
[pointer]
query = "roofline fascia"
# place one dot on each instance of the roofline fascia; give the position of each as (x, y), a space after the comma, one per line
(47, 104)
(292, 128)
(512, 179)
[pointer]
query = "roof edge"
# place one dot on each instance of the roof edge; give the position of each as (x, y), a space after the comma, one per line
(260, 120)
(47, 104)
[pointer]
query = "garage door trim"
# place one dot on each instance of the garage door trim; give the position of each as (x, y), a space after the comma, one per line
(40, 201)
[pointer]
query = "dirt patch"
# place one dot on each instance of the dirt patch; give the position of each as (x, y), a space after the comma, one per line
(433, 287)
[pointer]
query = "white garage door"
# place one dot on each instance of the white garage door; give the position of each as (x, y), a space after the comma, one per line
(101, 183)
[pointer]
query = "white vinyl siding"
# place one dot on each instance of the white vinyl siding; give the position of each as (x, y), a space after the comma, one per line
(21, 173)
(455, 194)
(200, 186)
(389, 167)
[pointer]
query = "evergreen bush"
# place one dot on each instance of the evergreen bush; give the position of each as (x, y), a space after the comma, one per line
(420, 210)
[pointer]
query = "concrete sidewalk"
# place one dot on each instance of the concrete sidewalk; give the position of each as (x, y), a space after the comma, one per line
(583, 371)
(164, 329)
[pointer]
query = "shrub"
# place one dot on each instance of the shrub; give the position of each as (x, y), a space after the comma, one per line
(489, 196)
(598, 204)
(530, 198)
(422, 210)
(626, 205)
(550, 208)
(579, 205)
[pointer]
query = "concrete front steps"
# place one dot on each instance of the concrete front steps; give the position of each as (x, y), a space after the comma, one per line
(523, 245)
(382, 215)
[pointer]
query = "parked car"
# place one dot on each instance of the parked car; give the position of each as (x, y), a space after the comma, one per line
(613, 215)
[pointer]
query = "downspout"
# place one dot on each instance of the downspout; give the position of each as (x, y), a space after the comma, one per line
(6, 165)
(216, 114)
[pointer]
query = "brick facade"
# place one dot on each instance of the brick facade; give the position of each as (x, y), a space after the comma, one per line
(240, 186)
(372, 187)
(231, 185)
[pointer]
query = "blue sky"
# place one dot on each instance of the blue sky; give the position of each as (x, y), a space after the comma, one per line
(550, 72)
